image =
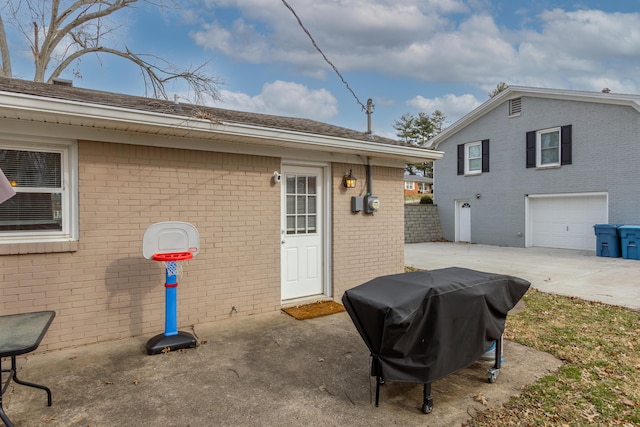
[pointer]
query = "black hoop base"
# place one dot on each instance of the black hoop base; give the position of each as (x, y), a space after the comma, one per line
(162, 343)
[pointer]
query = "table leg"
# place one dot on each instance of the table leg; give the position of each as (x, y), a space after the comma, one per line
(3, 388)
(28, 384)
(4, 418)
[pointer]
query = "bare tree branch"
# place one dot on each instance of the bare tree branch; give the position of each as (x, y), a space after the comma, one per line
(61, 32)
(154, 76)
(4, 52)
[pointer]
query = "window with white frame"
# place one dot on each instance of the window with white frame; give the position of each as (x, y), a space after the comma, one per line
(409, 185)
(548, 147)
(43, 208)
(473, 158)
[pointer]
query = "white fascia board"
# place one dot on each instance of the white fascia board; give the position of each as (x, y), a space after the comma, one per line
(137, 121)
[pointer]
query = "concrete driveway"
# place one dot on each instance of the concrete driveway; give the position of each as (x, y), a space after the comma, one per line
(582, 274)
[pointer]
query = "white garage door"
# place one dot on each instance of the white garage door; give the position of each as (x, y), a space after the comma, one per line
(566, 222)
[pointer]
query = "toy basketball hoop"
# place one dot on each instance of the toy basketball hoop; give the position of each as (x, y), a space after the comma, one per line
(170, 243)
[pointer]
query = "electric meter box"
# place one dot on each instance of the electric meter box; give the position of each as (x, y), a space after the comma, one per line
(371, 204)
(356, 204)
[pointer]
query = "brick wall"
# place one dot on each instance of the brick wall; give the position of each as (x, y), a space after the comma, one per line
(421, 223)
(103, 289)
(366, 246)
(106, 290)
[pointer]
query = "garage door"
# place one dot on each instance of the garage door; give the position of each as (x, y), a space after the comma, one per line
(566, 222)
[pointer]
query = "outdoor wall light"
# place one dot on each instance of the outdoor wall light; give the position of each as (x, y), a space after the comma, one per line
(478, 195)
(349, 181)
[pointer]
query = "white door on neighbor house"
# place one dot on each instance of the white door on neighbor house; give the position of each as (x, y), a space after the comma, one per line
(463, 221)
(302, 256)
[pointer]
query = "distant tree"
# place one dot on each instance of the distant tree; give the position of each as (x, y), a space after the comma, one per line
(60, 32)
(499, 88)
(418, 131)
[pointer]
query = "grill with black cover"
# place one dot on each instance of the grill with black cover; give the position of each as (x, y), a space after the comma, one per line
(424, 325)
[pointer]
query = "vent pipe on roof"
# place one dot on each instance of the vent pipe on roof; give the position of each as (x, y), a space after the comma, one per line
(369, 113)
(62, 82)
(606, 90)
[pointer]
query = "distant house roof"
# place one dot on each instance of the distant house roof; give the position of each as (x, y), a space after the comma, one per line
(514, 92)
(418, 178)
(27, 100)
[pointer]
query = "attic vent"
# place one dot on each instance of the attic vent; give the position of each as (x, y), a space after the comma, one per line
(515, 107)
(62, 82)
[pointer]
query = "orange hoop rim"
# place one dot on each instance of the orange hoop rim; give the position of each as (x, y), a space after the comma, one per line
(172, 256)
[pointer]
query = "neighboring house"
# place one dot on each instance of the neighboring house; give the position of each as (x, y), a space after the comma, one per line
(93, 170)
(540, 167)
(416, 184)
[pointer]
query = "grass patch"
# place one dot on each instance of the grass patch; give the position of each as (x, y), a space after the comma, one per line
(599, 384)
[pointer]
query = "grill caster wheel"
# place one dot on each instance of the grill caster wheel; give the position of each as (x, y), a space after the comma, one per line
(427, 406)
(492, 375)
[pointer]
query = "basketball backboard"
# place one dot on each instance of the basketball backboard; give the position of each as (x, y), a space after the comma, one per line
(169, 237)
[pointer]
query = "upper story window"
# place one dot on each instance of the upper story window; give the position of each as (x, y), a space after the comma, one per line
(549, 147)
(473, 158)
(43, 208)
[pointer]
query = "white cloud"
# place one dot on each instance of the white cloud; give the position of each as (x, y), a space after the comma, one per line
(453, 106)
(283, 98)
(440, 41)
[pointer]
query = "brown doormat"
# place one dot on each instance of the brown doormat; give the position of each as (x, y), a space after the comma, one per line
(316, 309)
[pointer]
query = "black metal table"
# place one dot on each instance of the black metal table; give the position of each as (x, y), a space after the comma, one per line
(21, 334)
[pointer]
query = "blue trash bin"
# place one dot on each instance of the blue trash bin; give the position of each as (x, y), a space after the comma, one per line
(608, 240)
(629, 240)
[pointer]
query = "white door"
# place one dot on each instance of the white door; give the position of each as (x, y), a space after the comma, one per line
(463, 221)
(566, 222)
(302, 232)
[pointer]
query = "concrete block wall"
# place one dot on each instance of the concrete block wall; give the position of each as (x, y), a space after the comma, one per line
(421, 223)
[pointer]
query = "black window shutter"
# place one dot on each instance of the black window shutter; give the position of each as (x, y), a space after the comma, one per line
(531, 149)
(461, 159)
(565, 148)
(485, 155)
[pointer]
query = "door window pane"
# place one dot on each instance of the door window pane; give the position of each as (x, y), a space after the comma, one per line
(301, 200)
(301, 207)
(311, 226)
(312, 204)
(312, 185)
(291, 205)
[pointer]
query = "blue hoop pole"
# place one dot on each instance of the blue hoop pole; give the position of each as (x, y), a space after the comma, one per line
(171, 305)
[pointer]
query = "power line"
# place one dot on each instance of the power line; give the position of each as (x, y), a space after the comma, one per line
(325, 56)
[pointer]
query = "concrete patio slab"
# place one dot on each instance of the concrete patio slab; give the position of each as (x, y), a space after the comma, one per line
(267, 370)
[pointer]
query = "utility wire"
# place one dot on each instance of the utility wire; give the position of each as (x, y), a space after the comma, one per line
(323, 55)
